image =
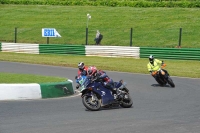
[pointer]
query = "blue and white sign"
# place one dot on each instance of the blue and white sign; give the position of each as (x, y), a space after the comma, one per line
(50, 32)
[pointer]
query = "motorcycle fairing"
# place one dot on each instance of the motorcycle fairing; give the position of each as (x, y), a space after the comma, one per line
(106, 94)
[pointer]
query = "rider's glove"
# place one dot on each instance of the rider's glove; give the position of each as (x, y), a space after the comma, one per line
(163, 65)
(76, 77)
(95, 78)
(163, 62)
(77, 86)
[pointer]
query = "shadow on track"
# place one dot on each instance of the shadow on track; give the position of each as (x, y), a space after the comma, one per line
(109, 108)
(158, 85)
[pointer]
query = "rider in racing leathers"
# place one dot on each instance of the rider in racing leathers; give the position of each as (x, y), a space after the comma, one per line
(103, 77)
(82, 71)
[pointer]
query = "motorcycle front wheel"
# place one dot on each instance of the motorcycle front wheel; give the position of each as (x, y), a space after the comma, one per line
(126, 102)
(93, 105)
(170, 82)
(160, 82)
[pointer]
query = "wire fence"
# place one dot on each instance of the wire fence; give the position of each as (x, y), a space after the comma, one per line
(138, 36)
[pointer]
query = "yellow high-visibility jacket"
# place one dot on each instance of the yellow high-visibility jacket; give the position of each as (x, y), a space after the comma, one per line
(157, 63)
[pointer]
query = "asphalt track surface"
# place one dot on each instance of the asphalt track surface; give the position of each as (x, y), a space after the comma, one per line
(155, 109)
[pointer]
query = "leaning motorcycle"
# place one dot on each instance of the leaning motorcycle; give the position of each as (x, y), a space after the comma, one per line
(163, 77)
(95, 95)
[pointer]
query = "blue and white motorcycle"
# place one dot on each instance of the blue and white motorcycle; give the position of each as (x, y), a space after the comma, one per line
(95, 95)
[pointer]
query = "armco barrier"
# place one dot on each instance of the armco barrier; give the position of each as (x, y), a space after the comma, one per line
(20, 48)
(106, 51)
(171, 53)
(112, 51)
(35, 91)
(62, 49)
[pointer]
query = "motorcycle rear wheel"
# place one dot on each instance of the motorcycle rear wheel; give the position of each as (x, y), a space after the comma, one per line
(170, 82)
(89, 104)
(127, 103)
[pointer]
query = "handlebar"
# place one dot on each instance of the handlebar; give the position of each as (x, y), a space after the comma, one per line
(155, 72)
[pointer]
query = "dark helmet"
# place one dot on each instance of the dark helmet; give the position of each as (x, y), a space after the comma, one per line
(92, 70)
(151, 59)
(81, 65)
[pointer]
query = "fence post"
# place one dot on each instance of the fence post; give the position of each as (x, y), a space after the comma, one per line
(180, 34)
(131, 35)
(86, 43)
(15, 34)
(47, 40)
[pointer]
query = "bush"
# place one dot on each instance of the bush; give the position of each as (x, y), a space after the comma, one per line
(111, 3)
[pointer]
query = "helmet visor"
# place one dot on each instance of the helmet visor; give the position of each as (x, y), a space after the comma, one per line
(151, 60)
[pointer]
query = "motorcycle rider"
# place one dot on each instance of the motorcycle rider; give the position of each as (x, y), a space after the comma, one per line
(154, 65)
(82, 71)
(101, 76)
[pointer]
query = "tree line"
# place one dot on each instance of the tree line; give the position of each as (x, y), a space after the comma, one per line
(110, 3)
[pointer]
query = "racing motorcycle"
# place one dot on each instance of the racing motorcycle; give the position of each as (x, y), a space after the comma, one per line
(163, 77)
(95, 95)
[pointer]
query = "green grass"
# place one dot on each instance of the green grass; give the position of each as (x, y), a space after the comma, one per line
(152, 27)
(28, 78)
(130, 65)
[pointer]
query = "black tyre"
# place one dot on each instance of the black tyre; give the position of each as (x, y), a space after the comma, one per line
(89, 104)
(127, 102)
(170, 82)
(160, 82)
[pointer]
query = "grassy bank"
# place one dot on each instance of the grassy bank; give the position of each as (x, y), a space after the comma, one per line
(174, 67)
(28, 78)
(152, 27)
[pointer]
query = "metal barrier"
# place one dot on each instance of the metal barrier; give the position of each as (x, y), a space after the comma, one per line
(112, 51)
(171, 53)
(61, 49)
(106, 51)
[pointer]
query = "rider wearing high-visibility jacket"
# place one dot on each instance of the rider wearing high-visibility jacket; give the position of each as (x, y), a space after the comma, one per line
(154, 65)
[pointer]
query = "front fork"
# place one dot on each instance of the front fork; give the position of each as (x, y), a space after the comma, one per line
(163, 73)
(122, 94)
(94, 97)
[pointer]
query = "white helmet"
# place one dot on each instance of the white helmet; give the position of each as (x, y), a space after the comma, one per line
(151, 58)
(81, 65)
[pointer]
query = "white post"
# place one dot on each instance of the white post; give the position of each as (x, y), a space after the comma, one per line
(88, 17)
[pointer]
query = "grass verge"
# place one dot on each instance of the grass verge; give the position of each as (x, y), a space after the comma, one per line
(27, 78)
(180, 68)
